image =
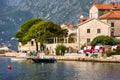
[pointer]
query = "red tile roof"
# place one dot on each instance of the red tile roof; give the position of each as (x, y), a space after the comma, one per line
(113, 5)
(111, 15)
(68, 25)
(83, 19)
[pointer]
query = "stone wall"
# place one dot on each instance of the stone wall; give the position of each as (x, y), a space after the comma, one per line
(116, 27)
(93, 12)
(93, 25)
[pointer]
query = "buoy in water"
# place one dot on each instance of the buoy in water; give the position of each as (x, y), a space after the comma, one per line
(9, 67)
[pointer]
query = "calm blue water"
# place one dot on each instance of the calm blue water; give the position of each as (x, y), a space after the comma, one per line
(67, 70)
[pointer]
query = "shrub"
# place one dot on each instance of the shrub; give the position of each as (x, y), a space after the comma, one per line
(104, 40)
(117, 41)
(115, 52)
(70, 39)
(110, 53)
(60, 50)
(82, 47)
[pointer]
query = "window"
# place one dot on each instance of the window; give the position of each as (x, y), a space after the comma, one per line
(112, 24)
(88, 30)
(98, 30)
(32, 43)
(88, 40)
(112, 32)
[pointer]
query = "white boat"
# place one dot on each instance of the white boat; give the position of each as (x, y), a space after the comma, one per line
(18, 59)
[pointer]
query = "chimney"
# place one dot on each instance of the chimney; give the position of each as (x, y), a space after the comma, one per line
(94, 3)
(113, 3)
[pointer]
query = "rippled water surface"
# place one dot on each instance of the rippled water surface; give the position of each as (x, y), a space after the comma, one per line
(62, 70)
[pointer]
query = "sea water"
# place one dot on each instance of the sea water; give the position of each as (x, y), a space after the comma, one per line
(61, 70)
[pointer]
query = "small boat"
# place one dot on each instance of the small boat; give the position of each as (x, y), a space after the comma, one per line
(44, 60)
(18, 59)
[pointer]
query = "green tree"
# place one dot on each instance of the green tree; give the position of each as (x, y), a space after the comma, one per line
(71, 39)
(63, 33)
(23, 31)
(104, 40)
(44, 30)
(39, 30)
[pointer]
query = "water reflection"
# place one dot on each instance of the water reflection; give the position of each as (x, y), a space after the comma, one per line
(64, 70)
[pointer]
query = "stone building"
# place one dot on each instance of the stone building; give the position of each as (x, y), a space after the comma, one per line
(98, 10)
(89, 29)
(109, 13)
(104, 19)
(112, 18)
(30, 46)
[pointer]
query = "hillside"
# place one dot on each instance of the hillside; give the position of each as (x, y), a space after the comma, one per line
(15, 12)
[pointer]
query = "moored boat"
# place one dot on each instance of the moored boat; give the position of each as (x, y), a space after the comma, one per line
(44, 60)
(18, 59)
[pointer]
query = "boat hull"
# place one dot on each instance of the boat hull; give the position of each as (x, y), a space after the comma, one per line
(44, 60)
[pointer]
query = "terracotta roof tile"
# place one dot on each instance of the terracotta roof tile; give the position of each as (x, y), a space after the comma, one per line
(83, 19)
(107, 6)
(111, 15)
(68, 24)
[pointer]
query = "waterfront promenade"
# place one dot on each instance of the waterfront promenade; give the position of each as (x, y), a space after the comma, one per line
(69, 57)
